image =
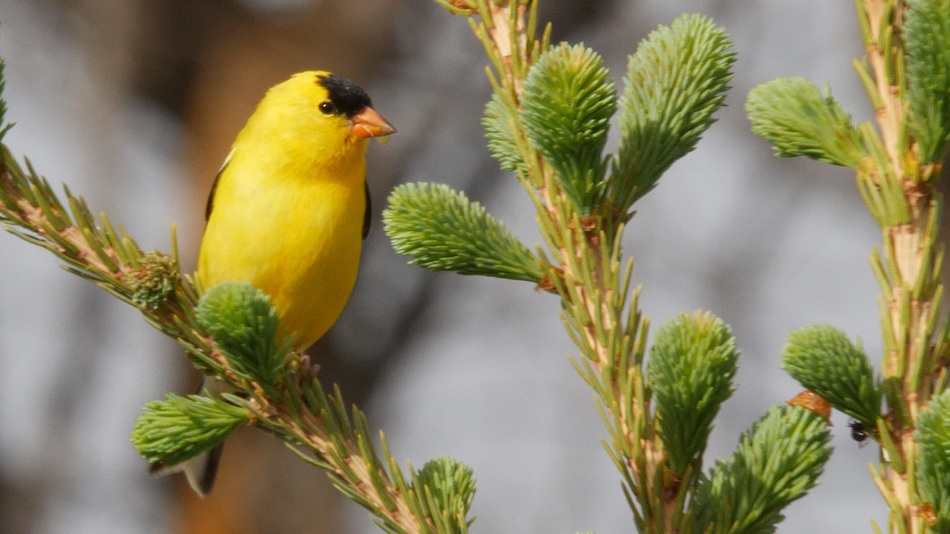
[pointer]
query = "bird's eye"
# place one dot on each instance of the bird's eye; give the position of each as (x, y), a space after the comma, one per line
(327, 108)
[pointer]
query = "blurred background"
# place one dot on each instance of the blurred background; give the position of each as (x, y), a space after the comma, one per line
(134, 104)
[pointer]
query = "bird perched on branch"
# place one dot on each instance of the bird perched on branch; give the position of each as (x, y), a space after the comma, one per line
(289, 210)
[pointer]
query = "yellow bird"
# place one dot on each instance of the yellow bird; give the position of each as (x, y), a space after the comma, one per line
(289, 210)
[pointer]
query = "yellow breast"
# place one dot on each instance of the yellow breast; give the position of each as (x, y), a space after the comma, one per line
(298, 242)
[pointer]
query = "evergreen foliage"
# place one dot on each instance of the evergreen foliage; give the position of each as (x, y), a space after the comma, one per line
(675, 82)
(567, 104)
(447, 486)
(798, 120)
(933, 436)
(154, 282)
(777, 462)
(691, 367)
(501, 121)
(178, 428)
(246, 328)
(898, 159)
(444, 231)
(824, 360)
(547, 122)
(927, 33)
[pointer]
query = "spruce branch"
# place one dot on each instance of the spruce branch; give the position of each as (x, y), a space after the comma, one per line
(178, 428)
(501, 122)
(927, 34)
(905, 74)
(506, 31)
(567, 103)
(691, 367)
(777, 462)
(675, 82)
(448, 486)
(800, 121)
(93, 248)
(245, 327)
(825, 361)
(546, 123)
(444, 231)
(933, 461)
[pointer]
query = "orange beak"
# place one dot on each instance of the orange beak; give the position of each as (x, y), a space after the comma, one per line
(368, 123)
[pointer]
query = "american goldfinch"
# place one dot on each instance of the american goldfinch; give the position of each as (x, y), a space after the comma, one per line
(289, 210)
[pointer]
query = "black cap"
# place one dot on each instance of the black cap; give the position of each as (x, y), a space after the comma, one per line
(346, 96)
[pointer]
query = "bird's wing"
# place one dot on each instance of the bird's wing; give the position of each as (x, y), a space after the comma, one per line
(214, 185)
(367, 215)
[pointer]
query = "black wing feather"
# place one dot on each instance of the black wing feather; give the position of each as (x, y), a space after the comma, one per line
(367, 215)
(214, 187)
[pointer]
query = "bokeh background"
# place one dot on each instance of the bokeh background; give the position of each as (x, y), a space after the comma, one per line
(134, 103)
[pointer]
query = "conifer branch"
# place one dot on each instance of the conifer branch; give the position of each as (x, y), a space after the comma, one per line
(547, 122)
(906, 74)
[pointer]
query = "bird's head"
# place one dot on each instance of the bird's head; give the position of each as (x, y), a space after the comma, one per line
(320, 113)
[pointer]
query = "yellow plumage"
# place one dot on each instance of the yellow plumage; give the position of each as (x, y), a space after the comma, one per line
(288, 212)
(289, 205)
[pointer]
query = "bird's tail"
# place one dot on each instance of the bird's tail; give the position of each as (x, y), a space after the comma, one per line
(202, 469)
